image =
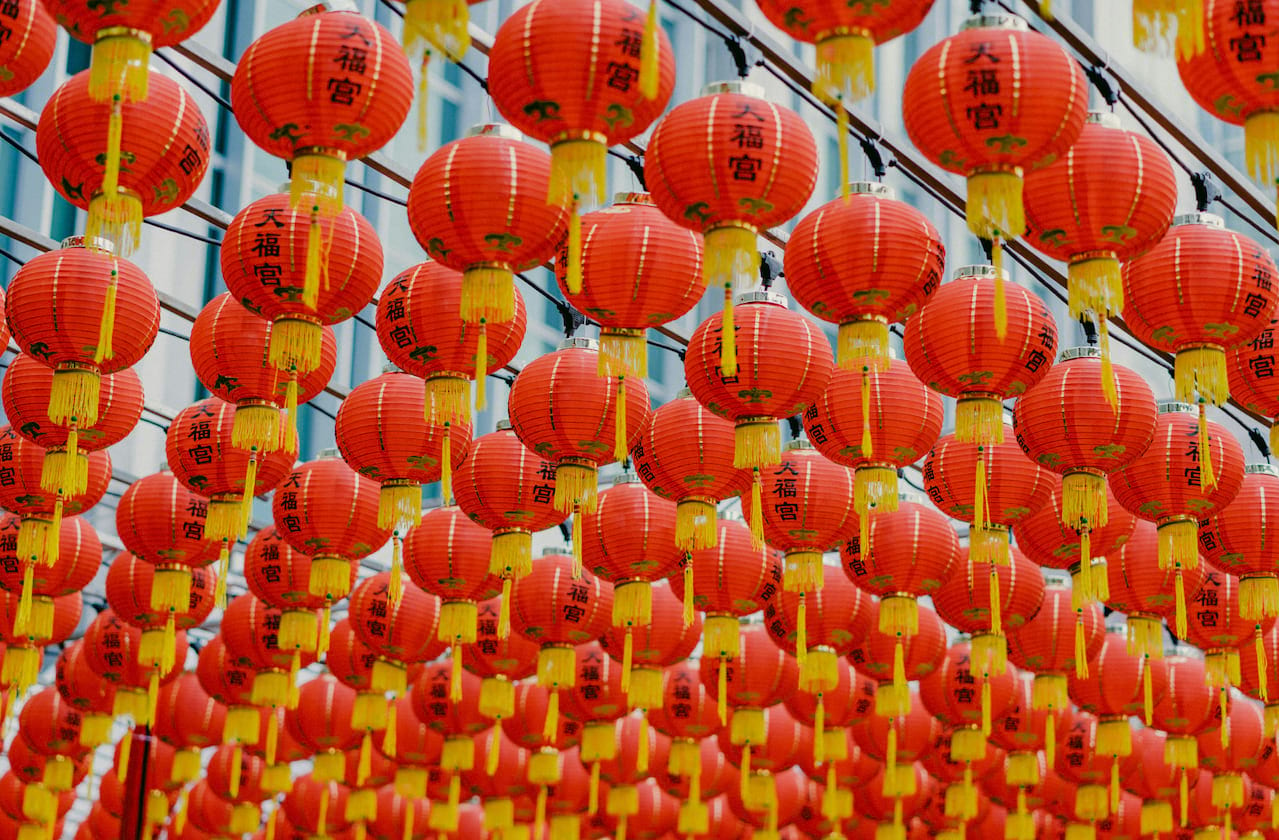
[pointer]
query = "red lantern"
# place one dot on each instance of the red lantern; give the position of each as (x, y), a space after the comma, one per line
(700, 179)
(230, 350)
(1187, 708)
(129, 585)
(638, 270)
(528, 728)
(79, 557)
(317, 807)
(152, 159)
(50, 726)
(250, 629)
(188, 720)
(1229, 761)
(112, 648)
(491, 234)
(1120, 683)
(321, 723)
(290, 109)
(785, 366)
(1049, 542)
(1216, 627)
(272, 258)
(948, 694)
(281, 577)
(899, 742)
(27, 52)
(665, 641)
(229, 683)
(383, 436)
(1021, 732)
(420, 331)
(499, 659)
(400, 632)
(1174, 485)
(968, 603)
(1230, 539)
(1196, 294)
(399, 817)
(240, 784)
(1095, 223)
(863, 261)
(894, 660)
(64, 307)
(83, 688)
(992, 136)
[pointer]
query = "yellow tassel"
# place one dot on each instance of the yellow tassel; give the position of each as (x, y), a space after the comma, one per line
(996, 605)
(455, 675)
(322, 643)
(994, 204)
(620, 438)
(1202, 370)
(250, 490)
(688, 591)
(744, 776)
(578, 173)
(23, 615)
(899, 615)
(550, 728)
(1148, 692)
(1050, 740)
(757, 510)
(539, 810)
(180, 817)
(1156, 817)
(819, 732)
(573, 260)
(1081, 648)
(1179, 587)
(122, 762)
(627, 652)
(845, 68)
(1107, 369)
(802, 572)
(1258, 596)
(488, 294)
(650, 49)
(257, 427)
(116, 216)
(365, 764)
(1082, 592)
(728, 337)
(1208, 478)
(66, 468)
(73, 397)
(900, 686)
(322, 810)
(1184, 796)
(863, 342)
(1114, 786)
(890, 753)
(395, 590)
(389, 736)
(577, 543)
(1001, 297)
(1023, 769)
(1261, 147)
(236, 770)
(867, 444)
(1179, 543)
(115, 131)
(731, 259)
(722, 693)
(423, 99)
(296, 345)
(1190, 28)
(504, 610)
(39, 803)
(1263, 688)
(446, 465)
(482, 366)
(106, 330)
(985, 709)
(593, 791)
(576, 486)
(801, 632)
(980, 518)
(641, 753)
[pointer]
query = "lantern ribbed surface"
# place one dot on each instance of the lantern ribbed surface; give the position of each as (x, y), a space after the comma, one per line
(597, 695)
(1022, 726)
(404, 631)
(838, 615)
(1244, 749)
(128, 590)
(321, 720)
(1232, 540)
(688, 707)
(914, 551)
(733, 578)
(665, 641)
(448, 556)
(20, 490)
(26, 390)
(964, 600)
(1046, 643)
(759, 675)
(503, 484)
(323, 508)
(551, 608)
(161, 521)
(26, 53)
(250, 630)
(511, 656)
(806, 502)
(631, 535)
(1138, 586)
(951, 692)
(111, 649)
(1052, 544)
(1189, 705)
(1114, 683)
(922, 651)
(1214, 615)
(449, 716)
(278, 574)
(916, 733)
(780, 749)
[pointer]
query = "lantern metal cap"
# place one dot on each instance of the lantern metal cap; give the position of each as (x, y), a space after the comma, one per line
(503, 130)
(685, 393)
(1184, 651)
(741, 86)
(502, 425)
(554, 549)
(1199, 218)
(625, 477)
(797, 443)
(1057, 578)
(642, 198)
(328, 453)
(574, 342)
(391, 367)
(1175, 407)
(871, 188)
(761, 296)
(98, 243)
(1116, 627)
(976, 271)
(911, 496)
(1261, 469)
(1080, 353)
(996, 21)
(1108, 119)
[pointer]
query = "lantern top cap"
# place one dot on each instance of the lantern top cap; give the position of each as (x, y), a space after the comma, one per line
(1080, 353)
(391, 367)
(97, 243)
(685, 393)
(1108, 119)
(575, 343)
(328, 453)
(1199, 218)
(741, 86)
(503, 426)
(1261, 469)
(625, 477)
(797, 443)
(762, 296)
(508, 132)
(871, 188)
(976, 271)
(1175, 407)
(1056, 579)
(1184, 651)
(997, 21)
(550, 550)
(641, 198)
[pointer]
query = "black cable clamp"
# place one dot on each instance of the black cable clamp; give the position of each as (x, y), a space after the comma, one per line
(874, 155)
(745, 56)
(572, 319)
(770, 269)
(636, 164)
(1259, 440)
(1207, 190)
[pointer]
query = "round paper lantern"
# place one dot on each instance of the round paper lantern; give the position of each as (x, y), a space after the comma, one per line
(581, 109)
(1187, 708)
(151, 160)
(1250, 369)
(1093, 224)
(421, 332)
(665, 641)
(382, 435)
(899, 742)
(1230, 538)
(1023, 105)
(281, 577)
(968, 710)
(1228, 761)
(228, 682)
(113, 649)
(83, 688)
(638, 270)
(894, 660)
(509, 489)
(250, 628)
(490, 234)
(35, 584)
(1200, 292)
(401, 632)
(51, 727)
(715, 165)
(271, 267)
(969, 599)
(321, 723)
(129, 584)
(1049, 542)
(188, 720)
(346, 100)
(499, 659)
(1146, 774)
(685, 454)
(27, 50)
(1118, 685)
(1021, 731)
(1215, 626)
(64, 308)
(864, 260)
(785, 366)
(1192, 468)
(877, 422)
(230, 352)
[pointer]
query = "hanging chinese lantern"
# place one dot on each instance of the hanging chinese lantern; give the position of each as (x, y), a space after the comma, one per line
(230, 349)
(271, 259)
(1146, 774)
(894, 660)
(805, 512)
(321, 723)
(21, 493)
(1050, 543)
(640, 748)
(27, 50)
(688, 715)
(93, 696)
(204, 459)
(899, 741)
(351, 661)
(1084, 445)
(152, 159)
(638, 270)
(1170, 484)
(528, 728)
(1252, 678)
(162, 522)
(864, 261)
(962, 800)
(457, 719)
(26, 391)
(35, 584)
(402, 632)
(112, 648)
(685, 454)
(448, 556)
(597, 702)
(835, 762)
(629, 541)
(1059, 639)
(491, 234)
(568, 798)
(1251, 371)
(1231, 540)
(1094, 224)
(23, 652)
(501, 791)
(416, 748)
(1187, 708)
(776, 803)
(563, 411)
(991, 102)
(382, 435)
(1086, 768)
(715, 165)
(317, 807)
(1021, 731)
(231, 684)
(557, 610)
(327, 512)
(967, 696)
(250, 629)
(501, 659)
(509, 489)
(188, 720)
(399, 817)
(129, 585)
(913, 551)
(1229, 762)
(1200, 292)
(420, 331)
(581, 112)
(51, 728)
(777, 344)
(347, 99)
(876, 421)
(64, 308)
